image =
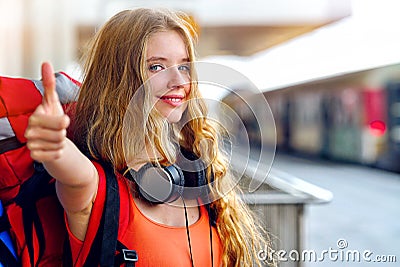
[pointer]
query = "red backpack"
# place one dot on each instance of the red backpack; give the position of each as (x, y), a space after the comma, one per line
(35, 217)
(32, 215)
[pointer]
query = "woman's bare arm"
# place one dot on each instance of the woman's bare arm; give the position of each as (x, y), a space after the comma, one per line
(76, 177)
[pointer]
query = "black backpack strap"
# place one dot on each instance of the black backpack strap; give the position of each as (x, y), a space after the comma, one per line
(36, 187)
(4, 223)
(67, 254)
(125, 255)
(111, 218)
(105, 244)
(6, 257)
(93, 258)
(10, 143)
(102, 251)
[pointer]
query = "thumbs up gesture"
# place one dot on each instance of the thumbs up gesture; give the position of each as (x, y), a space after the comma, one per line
(46, 131)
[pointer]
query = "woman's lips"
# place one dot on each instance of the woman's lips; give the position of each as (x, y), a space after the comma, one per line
(173, 100)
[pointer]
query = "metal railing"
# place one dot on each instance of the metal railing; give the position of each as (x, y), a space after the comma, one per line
(279, 203)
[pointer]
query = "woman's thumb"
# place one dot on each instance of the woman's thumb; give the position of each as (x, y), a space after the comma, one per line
(50, 96)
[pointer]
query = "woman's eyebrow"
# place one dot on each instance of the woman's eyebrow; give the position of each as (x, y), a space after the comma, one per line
(156, 58)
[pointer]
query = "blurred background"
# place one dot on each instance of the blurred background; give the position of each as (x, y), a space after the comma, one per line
(330, 71)
(34, 30)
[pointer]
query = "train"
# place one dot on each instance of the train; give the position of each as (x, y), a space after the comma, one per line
(350, 117)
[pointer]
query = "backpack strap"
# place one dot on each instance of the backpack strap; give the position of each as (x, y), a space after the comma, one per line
(36, 187)
(10, 143)
(106, 244)
(126, 255)
(8, 257)
(111, 218)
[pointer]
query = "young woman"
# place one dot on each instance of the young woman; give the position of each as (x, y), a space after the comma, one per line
(155, 48)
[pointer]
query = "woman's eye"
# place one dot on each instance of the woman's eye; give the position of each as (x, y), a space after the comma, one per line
(156, 67)
(184, 67)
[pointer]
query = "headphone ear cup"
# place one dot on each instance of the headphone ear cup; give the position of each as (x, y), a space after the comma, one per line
(159, 185)
(178, 182)
(176, 174)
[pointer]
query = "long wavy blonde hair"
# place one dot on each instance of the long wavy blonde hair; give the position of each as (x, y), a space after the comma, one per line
(115, 69)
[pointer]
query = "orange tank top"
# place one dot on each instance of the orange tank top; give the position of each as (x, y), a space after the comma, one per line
(156, 244)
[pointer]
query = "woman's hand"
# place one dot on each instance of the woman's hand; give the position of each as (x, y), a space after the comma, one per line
(46, 131)
(76, 176)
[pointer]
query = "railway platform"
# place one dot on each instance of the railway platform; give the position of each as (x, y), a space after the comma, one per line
(362, 219)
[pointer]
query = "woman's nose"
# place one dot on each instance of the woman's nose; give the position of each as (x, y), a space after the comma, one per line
(177, 78)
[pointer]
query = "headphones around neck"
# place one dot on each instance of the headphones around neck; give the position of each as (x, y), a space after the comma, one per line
(186, 178)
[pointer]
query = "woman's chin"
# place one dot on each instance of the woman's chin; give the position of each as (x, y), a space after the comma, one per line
(174, 116)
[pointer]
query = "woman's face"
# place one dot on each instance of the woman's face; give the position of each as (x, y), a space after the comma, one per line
(168, 69)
